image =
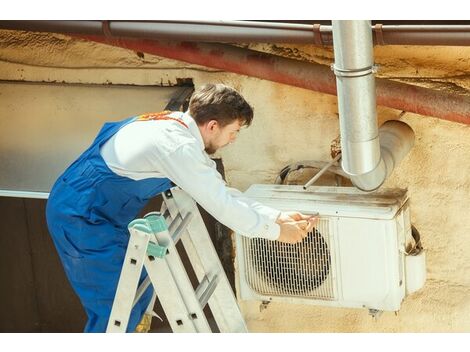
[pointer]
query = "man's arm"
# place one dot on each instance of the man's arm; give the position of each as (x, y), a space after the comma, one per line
(191, 170)
(288, 234)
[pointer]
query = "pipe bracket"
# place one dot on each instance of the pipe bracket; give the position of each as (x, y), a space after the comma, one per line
(379, 34)
(106, 28)
(317, 34)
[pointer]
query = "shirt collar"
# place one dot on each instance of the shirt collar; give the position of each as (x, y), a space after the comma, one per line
(193, 129)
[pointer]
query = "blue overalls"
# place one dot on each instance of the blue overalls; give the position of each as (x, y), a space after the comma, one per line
(88, 211)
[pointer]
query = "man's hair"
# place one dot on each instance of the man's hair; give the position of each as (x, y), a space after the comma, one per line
(221, 103)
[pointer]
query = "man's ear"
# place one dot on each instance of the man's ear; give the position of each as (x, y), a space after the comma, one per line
(212, 124)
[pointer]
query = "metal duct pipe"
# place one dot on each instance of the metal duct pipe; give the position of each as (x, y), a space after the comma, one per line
(249, 31)
(355, 85)
(360, 145)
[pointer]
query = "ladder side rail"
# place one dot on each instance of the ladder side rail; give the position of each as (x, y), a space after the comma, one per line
(128, 281)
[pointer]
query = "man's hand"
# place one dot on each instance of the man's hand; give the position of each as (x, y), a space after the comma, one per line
(295, 226)
(293, 216)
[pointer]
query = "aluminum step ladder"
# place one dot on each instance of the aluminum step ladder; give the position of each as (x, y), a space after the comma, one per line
(152, 245)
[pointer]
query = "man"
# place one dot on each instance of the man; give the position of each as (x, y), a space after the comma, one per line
(131, 161)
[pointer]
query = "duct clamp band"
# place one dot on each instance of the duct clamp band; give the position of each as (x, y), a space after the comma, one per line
(354, 73)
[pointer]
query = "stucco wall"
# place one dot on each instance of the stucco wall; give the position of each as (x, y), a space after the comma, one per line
(293, 124)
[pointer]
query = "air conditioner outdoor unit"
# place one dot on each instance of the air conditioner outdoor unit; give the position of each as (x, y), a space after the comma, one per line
(357, 256)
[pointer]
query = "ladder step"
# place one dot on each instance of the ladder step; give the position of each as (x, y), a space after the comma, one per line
(140, 291)
(180, 224)
(206, 288)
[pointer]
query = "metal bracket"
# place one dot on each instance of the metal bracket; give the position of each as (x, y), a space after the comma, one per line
(379, 34)
(375, 313)
(263, 305)
(318, 40)
(106, 28)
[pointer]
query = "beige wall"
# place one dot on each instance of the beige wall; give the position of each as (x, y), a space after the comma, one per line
(293, 124)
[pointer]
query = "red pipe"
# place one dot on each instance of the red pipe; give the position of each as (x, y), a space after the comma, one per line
(297, 73)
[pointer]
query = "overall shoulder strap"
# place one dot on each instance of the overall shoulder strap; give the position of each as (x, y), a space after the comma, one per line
(164, 115)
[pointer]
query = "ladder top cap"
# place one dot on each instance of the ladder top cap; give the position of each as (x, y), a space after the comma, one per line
(151, 223)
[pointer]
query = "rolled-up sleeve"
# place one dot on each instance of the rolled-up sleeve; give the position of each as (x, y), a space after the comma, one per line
(189, 168)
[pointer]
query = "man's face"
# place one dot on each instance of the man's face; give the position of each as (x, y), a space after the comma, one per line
(221, 136)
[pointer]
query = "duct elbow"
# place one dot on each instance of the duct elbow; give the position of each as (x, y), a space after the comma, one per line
(371, 180)
(396, 140)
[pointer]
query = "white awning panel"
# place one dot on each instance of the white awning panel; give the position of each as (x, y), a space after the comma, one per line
(46, 126)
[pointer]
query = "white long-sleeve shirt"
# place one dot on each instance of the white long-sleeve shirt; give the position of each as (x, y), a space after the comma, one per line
(166, 148)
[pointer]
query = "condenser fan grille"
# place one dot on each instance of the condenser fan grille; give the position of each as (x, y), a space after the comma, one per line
(297, 270)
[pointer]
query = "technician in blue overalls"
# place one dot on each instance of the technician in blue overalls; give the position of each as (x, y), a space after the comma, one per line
(131, 161)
